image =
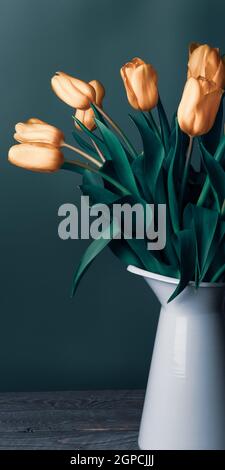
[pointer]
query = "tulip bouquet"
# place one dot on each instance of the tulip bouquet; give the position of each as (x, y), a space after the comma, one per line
(163, 172)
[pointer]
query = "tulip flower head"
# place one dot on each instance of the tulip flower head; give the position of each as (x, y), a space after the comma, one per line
(74, 92)
(140, 81)
(37, 131)
(36, 157)
(199, 106)
(203, 90)
(87, 116)
(205, 61)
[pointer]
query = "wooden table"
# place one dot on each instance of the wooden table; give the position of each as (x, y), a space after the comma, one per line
(77, 420)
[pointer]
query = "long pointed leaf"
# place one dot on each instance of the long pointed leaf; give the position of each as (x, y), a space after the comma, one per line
(212, 138)
(93, 250)
(119, 157)
(123, 251)
(187, 250)
(84, 145)
(94, 137)
(72, 166)
(172, 192)
(154, 153)
(216, 176)
(150, 262)
(164, 124)
(99, 194)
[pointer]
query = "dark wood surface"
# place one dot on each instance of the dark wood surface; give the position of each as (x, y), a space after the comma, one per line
(78, 420)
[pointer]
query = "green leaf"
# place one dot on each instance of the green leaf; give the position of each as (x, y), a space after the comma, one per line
(153, 152)
(161, 198)
(219, 274)
(151, 123)
(215, 251)
(216, 176)
(98, 115)
(188, 223)
(150, 262)
(220, 151)
(139, 172)
(187, 255)
(205, 223)
(164, 124)
(92, 178)
(172, 177)
(123, 251)
(119, 157)
(81, 167)
(219, 157)
(99, 194)
(125, 142)
(93, 250)
(212, 138)
(94, 137)
(84, 145)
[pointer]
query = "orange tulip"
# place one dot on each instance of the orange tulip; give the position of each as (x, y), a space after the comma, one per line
(37, 131)
(36, 157)
(74, 92)
(199, 106)
(140, 81)
(87, 116)
(205, 61)
(203, 90)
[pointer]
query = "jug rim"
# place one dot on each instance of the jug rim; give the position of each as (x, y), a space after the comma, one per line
(159, 277)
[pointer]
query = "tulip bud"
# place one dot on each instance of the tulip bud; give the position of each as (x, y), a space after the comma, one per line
(205, 61)
(87, 116)
(140, 81)
(203, 91)
(36, 157)
(199, 106)
(74, 92)
(37, 131)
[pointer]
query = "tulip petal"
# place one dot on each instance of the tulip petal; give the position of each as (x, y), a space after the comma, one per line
(38, 131)
(72, 91)
(86, 117)
(144, 85)
(193, 46)
(36, 157)
(205, 61)
(199, 106)
(99, 91)
(126, 74)
(185, 114)
(206, 112)
(35, 121)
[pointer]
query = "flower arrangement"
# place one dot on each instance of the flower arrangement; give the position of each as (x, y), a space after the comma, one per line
(162, 173)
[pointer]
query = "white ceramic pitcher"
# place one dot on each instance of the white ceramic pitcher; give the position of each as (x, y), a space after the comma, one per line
(184, 404)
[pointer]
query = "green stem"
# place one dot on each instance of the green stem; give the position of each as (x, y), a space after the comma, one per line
(218, 274)
(98, 151)
(119, 131)
(186, 171)
(153, 123)
(206, 187)
(164, 124)
(120, 187)
(83, 154)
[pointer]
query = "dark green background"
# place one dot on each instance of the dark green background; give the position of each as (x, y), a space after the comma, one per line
(104, 337)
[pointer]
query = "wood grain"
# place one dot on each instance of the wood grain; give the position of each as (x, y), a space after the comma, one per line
(97, 420)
